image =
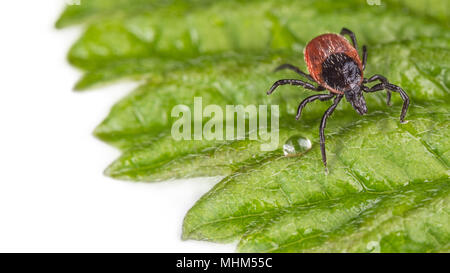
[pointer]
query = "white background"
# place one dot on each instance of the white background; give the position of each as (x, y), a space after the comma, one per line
(53, 195)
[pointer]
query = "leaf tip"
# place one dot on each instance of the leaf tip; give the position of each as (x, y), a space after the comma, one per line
(58, 24)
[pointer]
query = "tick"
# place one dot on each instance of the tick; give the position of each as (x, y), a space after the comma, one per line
(335, 66)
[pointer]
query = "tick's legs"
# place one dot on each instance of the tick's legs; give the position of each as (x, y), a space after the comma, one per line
(384, 81)
(294, 82)
(395, 88)
(295, 69)
(364, 60)
(321, 97)
(346, 31)
(323, 124)
(404, 97)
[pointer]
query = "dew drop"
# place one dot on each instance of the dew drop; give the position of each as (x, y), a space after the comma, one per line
(373, 246)
(296, 145)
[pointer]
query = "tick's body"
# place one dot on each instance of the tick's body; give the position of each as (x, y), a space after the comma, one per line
(329, 57)
(334, 64)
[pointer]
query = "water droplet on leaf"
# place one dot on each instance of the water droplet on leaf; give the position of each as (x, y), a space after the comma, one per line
(296, 145)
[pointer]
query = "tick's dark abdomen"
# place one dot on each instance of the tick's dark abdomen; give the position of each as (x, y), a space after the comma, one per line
(341, 72)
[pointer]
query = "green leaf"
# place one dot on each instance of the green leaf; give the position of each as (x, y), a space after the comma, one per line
(131, 44)
(158, 155)
(96, 10)
(413, 219)
(374, 157)
(433, 9)
(388, 185)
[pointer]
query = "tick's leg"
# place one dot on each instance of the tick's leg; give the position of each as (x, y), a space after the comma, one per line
(295, 69)
(394, 88)
(321, 97)
(404, 97)
(294, 82)
(364, 60)
(323, 124)
(384, 81)
(346, 31)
